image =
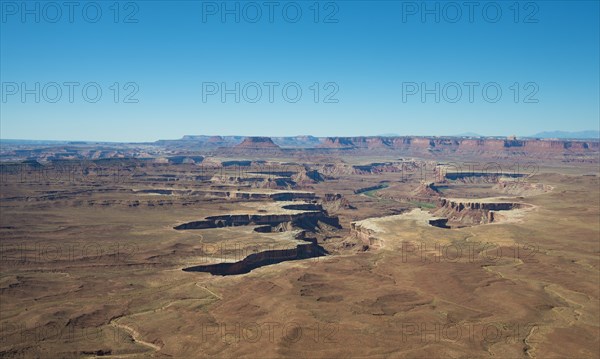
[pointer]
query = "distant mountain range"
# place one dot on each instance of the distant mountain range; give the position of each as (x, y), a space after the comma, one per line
(305, 141)
(564, 134)
(580, 135)
(194, 148)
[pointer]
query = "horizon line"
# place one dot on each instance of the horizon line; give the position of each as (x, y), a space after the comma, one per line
(318, 137)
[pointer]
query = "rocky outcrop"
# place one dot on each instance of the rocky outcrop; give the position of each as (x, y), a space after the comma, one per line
(257, 143)
(200, 141)
(426, 190)
(481, 177)
(310, 147)
(292, 196)
(493, 147)
(472, 212)
(276, 196)
(306, 220)
(407, 143)
(460, 205)
(364, 234)
(375, 168)
(221, 181)
(304, 177)
(215, 140)
(336, 202)
(337, 142)
(297, 141)
(456, 144)
(439, 222)
(313, 219)
(304, 207)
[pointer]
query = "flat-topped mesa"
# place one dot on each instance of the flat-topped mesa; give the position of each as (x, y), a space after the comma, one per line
(460, 205)
(214, 139)
(275, 196)
(450, 145)
(337, 142)
(473, 212)
(257, 143)
(361, 142)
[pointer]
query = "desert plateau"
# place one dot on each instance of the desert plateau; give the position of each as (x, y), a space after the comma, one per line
(370, 247)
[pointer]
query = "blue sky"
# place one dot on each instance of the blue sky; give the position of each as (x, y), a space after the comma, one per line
(370, 61)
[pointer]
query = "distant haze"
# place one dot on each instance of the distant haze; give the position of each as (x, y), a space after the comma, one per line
(309, 139)
(564, 134)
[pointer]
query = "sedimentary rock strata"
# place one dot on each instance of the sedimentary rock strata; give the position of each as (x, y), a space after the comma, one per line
(303, 219)
(472, 212)
(306, 217)
(459, 144)
(261, 259)
(257, 143)
(425, 190)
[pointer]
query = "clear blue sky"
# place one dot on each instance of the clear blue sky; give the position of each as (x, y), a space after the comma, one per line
(374, 55)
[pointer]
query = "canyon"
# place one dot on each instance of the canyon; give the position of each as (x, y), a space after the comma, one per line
(184, 248)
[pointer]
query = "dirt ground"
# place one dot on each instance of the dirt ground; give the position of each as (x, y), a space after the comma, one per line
(94, 269)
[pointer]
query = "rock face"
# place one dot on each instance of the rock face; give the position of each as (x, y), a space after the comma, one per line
(305, 220)
(215, 139)
(314, 220)
(457, 145)
(256, 260)
(305, 177)
(205, 142)
(458, 205)
(365, 235)
(439, 222)
(481, 177)
(337, 142)
(257, 143)
(426, 190)
(408, 144)
(464, 212)
(278, 196)
(374, 168)
(185, 159)
(297, 141)
(312, 147)
(336, 202)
